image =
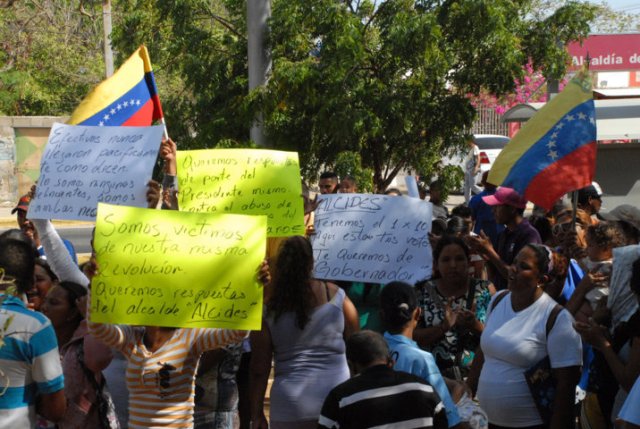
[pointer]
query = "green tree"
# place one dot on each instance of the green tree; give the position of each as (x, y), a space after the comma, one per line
(51, 55)
(388, 80)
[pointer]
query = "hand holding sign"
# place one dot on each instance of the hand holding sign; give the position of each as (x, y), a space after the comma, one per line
(82, 166)
(169, 268)
(244, 181)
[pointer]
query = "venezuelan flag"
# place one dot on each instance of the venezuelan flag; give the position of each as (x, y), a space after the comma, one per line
(555, 151)
(128, 98)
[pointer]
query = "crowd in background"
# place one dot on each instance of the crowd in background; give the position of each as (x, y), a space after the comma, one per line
(528, 321)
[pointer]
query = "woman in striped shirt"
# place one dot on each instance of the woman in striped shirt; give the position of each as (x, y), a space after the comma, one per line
(161, 369)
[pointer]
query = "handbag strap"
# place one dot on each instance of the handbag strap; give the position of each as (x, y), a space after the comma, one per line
(498, 298)
(551, 321)
(471, 293)
(98, 387)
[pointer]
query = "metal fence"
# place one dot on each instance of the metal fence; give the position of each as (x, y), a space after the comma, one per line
(489, 122)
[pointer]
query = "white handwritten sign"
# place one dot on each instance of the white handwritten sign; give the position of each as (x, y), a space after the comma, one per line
(82, 166)
(372, 238)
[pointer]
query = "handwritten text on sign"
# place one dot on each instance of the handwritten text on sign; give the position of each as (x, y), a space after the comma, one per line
(372, 238)
(244, 181)
(170, 268)
(82, 166)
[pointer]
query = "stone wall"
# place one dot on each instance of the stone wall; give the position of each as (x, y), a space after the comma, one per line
(22, 139)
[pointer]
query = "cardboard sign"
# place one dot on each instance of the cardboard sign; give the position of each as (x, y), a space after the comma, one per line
(244, 181)
(372, 238)
(82, 166)
(177, 269)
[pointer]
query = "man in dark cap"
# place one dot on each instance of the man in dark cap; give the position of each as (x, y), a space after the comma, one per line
(590, 199)
(628, 217)
(508, 209)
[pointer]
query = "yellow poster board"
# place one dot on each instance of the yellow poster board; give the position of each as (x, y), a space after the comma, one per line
(177, 269)
(244, 181)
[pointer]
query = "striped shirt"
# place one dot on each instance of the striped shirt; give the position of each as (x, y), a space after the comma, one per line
(382, 398)
(161, 384)
(29, 362)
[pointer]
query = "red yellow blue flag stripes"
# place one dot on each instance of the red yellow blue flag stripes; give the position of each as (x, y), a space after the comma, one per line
(555, 151)
(129, 97)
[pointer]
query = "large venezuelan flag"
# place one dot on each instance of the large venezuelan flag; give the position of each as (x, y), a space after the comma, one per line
(129, 97)
(555, 151)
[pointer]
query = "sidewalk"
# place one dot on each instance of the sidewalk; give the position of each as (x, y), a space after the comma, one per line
(8, 220)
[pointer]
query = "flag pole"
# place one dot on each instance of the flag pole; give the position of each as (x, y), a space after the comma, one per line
(574, 195)
(165, 132)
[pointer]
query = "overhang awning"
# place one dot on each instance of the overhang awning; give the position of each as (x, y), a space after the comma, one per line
(617, 119)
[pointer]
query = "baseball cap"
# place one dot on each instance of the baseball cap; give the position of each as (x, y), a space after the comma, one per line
(625, 213)
(23, 204)
(507, 197)
(590, 191)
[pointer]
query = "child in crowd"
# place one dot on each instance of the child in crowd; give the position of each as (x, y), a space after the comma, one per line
(400, 314)
(601, 238)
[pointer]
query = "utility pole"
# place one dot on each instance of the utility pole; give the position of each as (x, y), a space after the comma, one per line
(106, 25)
(258, 13)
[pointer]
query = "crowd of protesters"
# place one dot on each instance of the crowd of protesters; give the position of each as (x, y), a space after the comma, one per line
(528, 321)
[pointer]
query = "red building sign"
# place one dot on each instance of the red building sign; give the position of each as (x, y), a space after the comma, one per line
(608, 52)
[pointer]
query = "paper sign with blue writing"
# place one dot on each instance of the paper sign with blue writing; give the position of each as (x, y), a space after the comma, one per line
(84, 165)
(244, 181)
(372, 238)
(171, 268)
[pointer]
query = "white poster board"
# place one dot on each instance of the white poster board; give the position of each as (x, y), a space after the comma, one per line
(82, 166)
(372, 238)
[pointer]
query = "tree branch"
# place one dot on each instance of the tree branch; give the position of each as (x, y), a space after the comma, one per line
(226, 24)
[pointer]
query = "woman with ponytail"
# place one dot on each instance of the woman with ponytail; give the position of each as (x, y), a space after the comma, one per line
(400, 314)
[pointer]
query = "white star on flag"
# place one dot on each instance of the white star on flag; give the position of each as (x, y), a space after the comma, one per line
(119, 106)
(570, 118)
(132, 101)
(551, 144)
(125, 104)
(113, 111)
(553, 155)
(100, 124)
(592, 120)
(106, 117)
(559, 126)
(554, 136)
(137, 102)
(582, 116)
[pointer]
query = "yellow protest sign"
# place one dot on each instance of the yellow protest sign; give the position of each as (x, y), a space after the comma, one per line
(244, 181)
(177, 269)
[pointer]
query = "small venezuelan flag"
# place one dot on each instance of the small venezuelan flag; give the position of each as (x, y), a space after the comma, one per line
(128, 98)
(555, 151)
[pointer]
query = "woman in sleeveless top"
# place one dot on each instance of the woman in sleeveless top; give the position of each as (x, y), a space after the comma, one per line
(304, 326)
(454, 307)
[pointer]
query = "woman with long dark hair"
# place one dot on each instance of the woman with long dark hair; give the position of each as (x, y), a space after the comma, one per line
(306, 321)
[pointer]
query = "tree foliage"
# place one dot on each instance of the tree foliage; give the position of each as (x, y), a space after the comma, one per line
(388, 80)
(51, 55)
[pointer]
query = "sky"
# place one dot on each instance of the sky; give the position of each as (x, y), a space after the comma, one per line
(631, 6)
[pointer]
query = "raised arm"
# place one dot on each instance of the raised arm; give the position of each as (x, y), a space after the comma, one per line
(115, 336)
(168, 153)
(57, 255)
(205, 339)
